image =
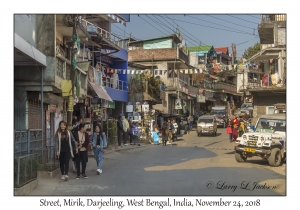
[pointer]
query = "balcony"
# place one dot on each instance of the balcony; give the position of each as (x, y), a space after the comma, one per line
(224, 87)
(149, 55)
(115, 84)
(62, 72)
(270, 26)
(104, 38)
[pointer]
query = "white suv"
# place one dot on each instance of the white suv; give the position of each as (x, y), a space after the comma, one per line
(268, 141)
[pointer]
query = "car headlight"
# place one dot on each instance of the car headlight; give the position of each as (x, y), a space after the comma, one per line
(262, 138)
(244, 137)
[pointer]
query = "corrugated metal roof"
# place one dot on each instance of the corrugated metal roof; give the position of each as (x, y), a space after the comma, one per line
(200, 48)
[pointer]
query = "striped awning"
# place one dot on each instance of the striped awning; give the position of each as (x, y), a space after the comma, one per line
(100, 91)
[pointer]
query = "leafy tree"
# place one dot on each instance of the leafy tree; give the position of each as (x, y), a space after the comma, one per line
(251, 51)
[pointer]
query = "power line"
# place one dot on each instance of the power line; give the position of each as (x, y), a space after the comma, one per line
(254, 16)
(151, 25)
(215, 23)
(243, 19)
(229, 22)
(157, 23)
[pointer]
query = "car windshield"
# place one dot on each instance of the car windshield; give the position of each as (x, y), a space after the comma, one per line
(205, 120)
(217, 112)
(246, 106)
(268, 124)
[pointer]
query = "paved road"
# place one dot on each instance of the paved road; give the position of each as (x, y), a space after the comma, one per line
(193, 166)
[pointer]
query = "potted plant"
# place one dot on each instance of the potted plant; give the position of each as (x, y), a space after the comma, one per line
(112, 133)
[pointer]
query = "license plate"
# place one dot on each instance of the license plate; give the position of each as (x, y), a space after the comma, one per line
(205, 131)
(249, 150)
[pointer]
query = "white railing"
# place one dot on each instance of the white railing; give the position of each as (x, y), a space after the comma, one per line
(115, 84)
(92, 28)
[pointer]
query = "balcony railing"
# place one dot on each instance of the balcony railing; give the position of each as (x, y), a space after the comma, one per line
(224, 86)
(115, 84)
(94, 29)
(273, 18)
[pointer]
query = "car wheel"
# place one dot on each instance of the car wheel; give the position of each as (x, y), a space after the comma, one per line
(239, 157)
(275, 157)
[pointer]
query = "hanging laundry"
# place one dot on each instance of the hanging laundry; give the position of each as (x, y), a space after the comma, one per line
(128, 71)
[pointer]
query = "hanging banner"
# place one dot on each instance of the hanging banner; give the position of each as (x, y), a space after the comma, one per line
(178, 104)
(265, 80)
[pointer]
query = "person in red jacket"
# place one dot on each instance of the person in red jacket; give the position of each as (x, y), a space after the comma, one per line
(229, 131)
(235, 125)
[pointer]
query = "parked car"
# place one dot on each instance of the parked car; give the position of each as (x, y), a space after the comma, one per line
(268, 141)
(207, 124)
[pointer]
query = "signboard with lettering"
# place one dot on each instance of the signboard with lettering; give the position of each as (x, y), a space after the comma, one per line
(200, 98)
(178, 104)
(129, 108)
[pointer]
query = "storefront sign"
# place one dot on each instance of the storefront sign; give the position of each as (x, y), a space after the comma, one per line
(145, 107)
(129, 108)
(138, 108)
(111, 105)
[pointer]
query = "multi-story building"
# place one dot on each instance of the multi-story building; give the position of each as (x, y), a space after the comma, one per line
(43, 63)
(167, 57)
(270, 62)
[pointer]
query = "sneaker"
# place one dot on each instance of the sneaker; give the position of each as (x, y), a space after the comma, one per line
(66, 177)
(77, 177)
(84, 176)
(62, 177)
(98, 171)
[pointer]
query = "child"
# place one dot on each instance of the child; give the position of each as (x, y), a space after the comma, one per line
(229, 131)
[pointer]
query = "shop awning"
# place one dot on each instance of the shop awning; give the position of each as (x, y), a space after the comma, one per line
(100, 91)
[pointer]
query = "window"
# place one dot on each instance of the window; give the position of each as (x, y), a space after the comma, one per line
(156, 72)
(160, 72)
(270, 110)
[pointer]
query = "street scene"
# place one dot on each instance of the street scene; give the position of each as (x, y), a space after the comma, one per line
(141, 105)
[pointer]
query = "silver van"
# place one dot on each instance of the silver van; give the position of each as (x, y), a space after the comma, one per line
(207, 124)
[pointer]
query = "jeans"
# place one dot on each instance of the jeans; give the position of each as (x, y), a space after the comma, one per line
(120, 133)
(98, 156)
(191, 125)
(230, 137)
(83, 158)
(125, 134)
(130, 138)
(64, 158)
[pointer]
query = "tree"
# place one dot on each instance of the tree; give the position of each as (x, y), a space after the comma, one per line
(251, 51)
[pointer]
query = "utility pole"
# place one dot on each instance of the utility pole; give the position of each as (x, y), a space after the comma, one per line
(72, 73)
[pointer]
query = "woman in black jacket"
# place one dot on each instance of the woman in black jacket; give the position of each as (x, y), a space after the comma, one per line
(82, 140)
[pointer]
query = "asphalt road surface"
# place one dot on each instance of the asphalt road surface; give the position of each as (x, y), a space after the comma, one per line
(193, 166)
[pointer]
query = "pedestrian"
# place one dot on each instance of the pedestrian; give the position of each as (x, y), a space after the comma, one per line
(130, 132)
(174, 129)
(235, 124)
(165, 134)
(120, 130)
(126, 130)
(82, 140)
(65, 147)
(75, 128)
(190, 121)
(241, 129)
(136, 134)
(229, 131)
(99, 143)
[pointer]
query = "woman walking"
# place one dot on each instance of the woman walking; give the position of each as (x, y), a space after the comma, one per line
(229, 131)
(82, 139)
(98, 142)
(64, 145)
(165, 134)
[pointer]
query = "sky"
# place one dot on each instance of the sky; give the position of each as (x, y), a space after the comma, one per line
(219, 30)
